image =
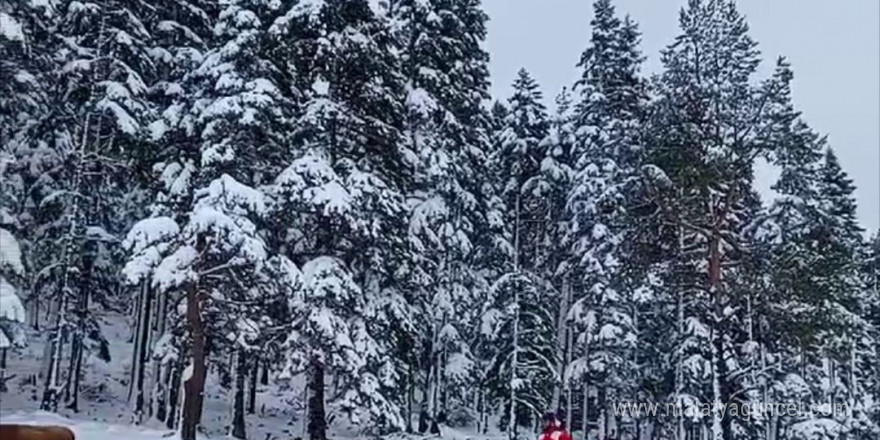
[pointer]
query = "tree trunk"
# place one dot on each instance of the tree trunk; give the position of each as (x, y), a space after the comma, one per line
(264, 376)
(161, 373)
(55, 345)
(194, 376)
(511, 426)
(78, 348)
(723, 387)
(75, 374)
(75, 352)
(238, 422)
(141, 353)
(317, 424)
(3, 388)
(173, 400)
(160, 402)
(602, 407)
(410, 386)
(585, 417)
(569, 408)
(36, 321)
(560, 344)
(252, 386)
(138, 322)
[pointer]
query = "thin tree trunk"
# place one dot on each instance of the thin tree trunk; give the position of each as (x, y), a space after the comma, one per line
(722, 392)
(3, 387)
(194, 380)
(76, 354)
(585, 417)
(142, 351)
(477, 396)
(159, 399)
(175, 376)
(636, 372)
(514, 360)
(317, 424)
(238, 421)
(679, 362)
(569, 409)
(138, 323)
(161, 373)
(264, 376)
(73, 404)
(410, 387)
(55, 344)
(252, 386)
(36, 321)
(560, 344)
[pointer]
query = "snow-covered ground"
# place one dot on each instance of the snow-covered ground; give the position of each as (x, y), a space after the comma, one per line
(104, 411)
(103, 404)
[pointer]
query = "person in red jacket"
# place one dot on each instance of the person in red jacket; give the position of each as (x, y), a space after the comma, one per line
(553, 429)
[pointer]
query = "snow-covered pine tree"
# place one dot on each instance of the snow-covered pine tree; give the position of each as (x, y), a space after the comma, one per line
(346, 186)
(705, 138)
(12, 272)
(226, 123)
(443, 64)
(26, 47)
(494, 254)
(847, 339)
(808, 271)
(25, 54)
(163, 171)
(608, 111)
(557, 174)
(519, 319)
(823, 354)
(871, 279)
(21, 102)
(97, 109)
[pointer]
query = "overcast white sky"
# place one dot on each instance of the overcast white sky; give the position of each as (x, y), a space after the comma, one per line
(834, 48)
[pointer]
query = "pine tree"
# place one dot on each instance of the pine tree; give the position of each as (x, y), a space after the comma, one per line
(164, 169)
(704, 144)
(205, 238)
(870, 367)
(97, 78)
(518, 324)
(347, 183)
(557, 175)
(607, 117)
(21, 97)
(445, 70)
(12, 271)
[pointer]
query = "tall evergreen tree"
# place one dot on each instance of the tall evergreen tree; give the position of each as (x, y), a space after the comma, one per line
(207, 233)
(347, 181)
(446, 79)
(518, 323)
(608, 113)
(704, 141)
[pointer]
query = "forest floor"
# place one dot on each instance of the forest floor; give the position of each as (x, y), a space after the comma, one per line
(105, 414)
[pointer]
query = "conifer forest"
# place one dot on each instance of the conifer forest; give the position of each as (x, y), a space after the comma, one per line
(209, 208)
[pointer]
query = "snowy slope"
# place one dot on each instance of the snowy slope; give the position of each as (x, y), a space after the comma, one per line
(105, 387)
(105, 415)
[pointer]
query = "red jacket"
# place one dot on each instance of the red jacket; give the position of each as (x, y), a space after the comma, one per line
(555, 432)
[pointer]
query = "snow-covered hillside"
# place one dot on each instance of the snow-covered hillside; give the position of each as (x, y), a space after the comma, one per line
(105, 415)
(103, 407)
